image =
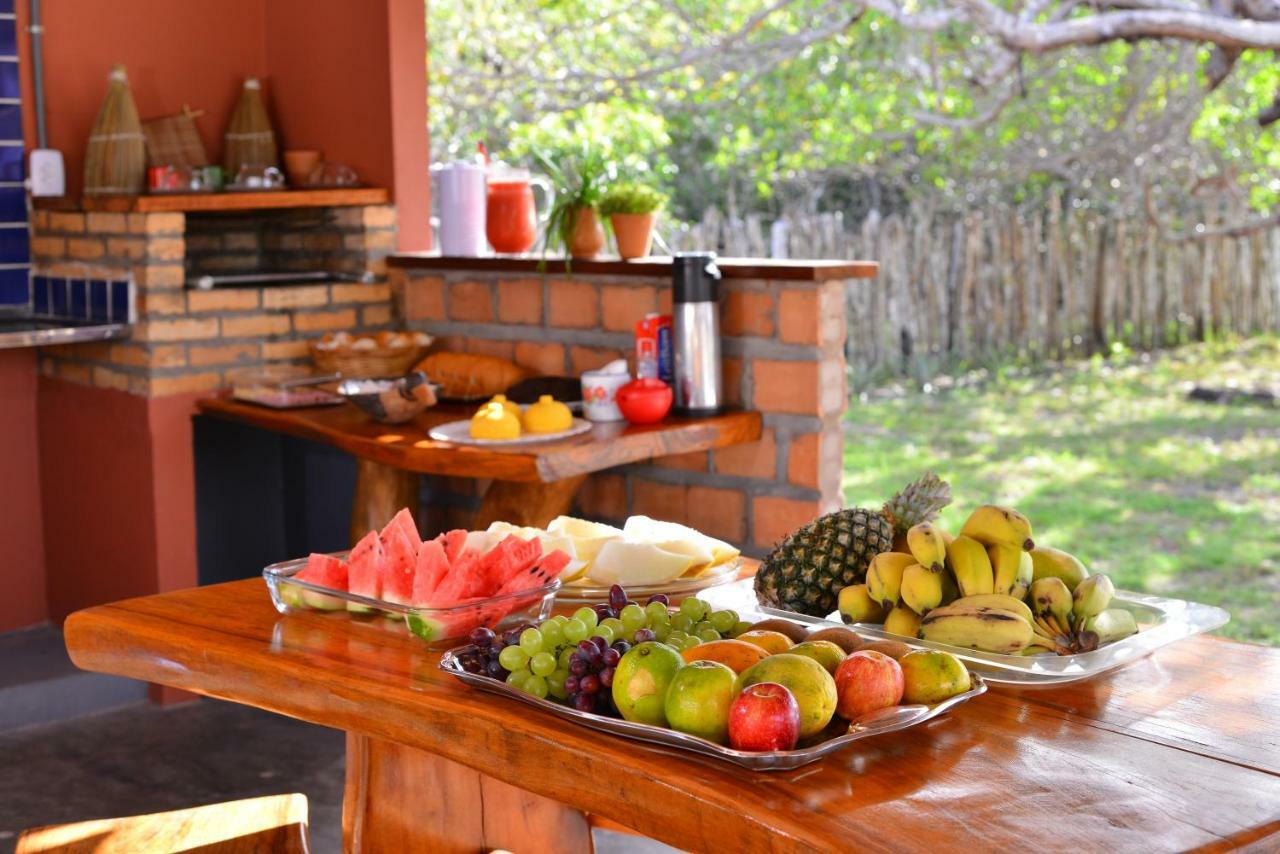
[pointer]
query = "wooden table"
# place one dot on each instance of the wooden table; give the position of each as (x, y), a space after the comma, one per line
(1177, 751)
(531, 484)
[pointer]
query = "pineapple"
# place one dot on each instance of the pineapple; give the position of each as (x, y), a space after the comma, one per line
(806, 571)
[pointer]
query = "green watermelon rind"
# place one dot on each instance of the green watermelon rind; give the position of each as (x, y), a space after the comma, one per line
(424, 627)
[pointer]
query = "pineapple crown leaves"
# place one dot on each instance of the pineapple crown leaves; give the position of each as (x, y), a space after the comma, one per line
(918, 502)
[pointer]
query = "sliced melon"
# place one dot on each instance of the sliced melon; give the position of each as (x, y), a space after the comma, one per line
(624, 562)
(654, 530)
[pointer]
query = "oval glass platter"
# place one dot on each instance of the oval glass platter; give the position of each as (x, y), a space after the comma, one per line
(1161, 621)
(459, 433)
(589, 592)
(883, 721)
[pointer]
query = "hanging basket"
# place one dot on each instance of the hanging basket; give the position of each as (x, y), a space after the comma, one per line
(115, 161)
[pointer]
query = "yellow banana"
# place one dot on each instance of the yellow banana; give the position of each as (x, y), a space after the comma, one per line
(988, 629)
(991, 524)
(995, 600)
(903, 621)
(1051, 602)
(1026, 574)
(884, 576)
(1006, 560)
(1055, 563)
(921, 588)
(927, 545)
(857, 606)
(971, 566)
(950, 590)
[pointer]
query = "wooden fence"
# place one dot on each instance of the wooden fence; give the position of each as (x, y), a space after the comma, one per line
(1001, 283)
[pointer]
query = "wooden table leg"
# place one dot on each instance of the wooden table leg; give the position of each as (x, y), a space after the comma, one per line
(399, 798)
(380, 493)
(530, 504)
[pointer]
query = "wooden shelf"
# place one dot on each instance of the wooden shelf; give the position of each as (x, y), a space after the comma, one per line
(262, 200)
(655, 265)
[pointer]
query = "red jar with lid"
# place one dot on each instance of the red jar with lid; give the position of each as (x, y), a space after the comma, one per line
(644, 401)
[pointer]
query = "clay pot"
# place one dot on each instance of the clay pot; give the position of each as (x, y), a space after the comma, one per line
(586, 239)
(634, 233)
(299, 164)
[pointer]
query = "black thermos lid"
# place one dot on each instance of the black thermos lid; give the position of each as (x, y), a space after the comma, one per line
(695, 277)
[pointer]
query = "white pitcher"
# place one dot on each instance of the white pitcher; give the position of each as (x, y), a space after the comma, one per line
(460, 192)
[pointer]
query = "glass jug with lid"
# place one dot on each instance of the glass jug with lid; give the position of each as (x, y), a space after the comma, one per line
(512, 219)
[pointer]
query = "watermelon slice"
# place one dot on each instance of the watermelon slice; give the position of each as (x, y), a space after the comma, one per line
(431, 568)
(403, 521)
(458, 583)
(400, 556)
(324, 571)
(508, 559)
(454, 542)
(538, 574)
(364, 568)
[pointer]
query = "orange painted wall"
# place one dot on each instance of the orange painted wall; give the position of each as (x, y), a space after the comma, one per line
(22, 571)
(193, 52)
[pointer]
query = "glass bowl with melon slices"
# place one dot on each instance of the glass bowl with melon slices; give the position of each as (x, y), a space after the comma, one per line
(441, 589)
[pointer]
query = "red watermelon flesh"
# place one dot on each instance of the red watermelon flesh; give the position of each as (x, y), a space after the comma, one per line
(399, 559)
(506, 560)
(364, 567)
(456, 585)
(432, 566)
(403, 521)
(324, 571)
(454, 541)
(543, 572)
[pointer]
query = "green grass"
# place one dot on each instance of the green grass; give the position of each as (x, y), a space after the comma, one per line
(1111, 462)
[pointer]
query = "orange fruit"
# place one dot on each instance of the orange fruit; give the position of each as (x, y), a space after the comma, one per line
(770, 641)
(737, 655)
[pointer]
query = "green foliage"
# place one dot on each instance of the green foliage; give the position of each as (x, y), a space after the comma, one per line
(629, 198)
(578, 173)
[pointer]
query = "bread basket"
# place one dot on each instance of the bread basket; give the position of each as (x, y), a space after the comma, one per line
(381, 355)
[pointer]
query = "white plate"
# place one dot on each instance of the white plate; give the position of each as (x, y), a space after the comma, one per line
(459, 432)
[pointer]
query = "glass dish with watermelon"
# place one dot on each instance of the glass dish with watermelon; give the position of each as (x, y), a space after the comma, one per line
(442, 588)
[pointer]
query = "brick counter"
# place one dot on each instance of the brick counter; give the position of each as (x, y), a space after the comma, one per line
(783, 343)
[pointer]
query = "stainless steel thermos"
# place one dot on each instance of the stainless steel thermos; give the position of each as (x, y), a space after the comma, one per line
(695, 333)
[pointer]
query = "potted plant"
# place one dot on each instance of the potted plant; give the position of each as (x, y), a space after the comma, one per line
(578, 176)
(632, 209)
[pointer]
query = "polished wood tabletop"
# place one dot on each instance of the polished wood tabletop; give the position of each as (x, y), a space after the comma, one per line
(1178, 751)
(408, 447)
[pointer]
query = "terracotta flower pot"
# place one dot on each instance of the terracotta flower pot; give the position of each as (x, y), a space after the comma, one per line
(586, 238)
(634, 233)
(299, 164)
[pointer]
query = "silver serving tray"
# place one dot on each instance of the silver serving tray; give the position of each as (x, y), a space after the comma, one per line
(1161, 621)
(876, 723)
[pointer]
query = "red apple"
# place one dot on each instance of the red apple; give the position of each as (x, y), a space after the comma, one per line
(765, 716)
(865, 681)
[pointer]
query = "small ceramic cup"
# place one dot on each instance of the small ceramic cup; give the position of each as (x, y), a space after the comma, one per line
(600, 395)
(298, 165)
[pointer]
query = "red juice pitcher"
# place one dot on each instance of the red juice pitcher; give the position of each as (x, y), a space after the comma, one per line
(511, 217)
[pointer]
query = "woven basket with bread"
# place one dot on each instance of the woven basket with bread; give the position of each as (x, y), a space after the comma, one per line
(379, 354)
(466, 376)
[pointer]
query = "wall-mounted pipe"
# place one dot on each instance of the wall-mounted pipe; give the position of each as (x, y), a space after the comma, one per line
(36, 30)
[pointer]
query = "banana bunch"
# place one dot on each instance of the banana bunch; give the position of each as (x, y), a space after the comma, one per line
(990, 588)
(1079, 620)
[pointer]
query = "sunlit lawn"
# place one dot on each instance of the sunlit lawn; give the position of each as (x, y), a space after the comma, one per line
(1111, 462)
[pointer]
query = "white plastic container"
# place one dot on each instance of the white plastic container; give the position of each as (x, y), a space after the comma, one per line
(460, 190)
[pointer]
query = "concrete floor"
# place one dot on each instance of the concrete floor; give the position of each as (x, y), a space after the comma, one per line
(144, 759)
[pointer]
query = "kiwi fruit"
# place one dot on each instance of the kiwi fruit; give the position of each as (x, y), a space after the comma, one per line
(794, 631)
(846, 639)
(891, 648)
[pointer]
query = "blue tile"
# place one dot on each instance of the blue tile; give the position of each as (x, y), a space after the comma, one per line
(40, 295)
(6, 7)
(79, 307)
(120, 302)
(15, 246)
(12, 162)
(10, 120)
(10, 86)
(8, 37)
(59, 295)
(15, 287)
(13, 204)
(98, 308)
